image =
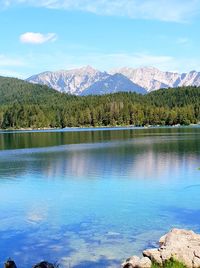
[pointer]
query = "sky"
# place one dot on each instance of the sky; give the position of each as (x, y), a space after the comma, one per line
(49, 35)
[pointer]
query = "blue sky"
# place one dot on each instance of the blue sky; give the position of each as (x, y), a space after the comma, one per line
(41, 35)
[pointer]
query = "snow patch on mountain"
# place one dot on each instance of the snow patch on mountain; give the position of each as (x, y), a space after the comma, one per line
(73, 81)
(149, 78)
(87, 80)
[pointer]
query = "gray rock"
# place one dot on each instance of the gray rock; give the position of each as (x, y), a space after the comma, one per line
(179, 244)
(197, 253)
(10, 264)
(144, 262)
(128, 265)
(196, 262)
(153, 254)
(166, 255)
(131, 262)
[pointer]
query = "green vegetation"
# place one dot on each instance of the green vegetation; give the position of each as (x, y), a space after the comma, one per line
(170, 264)
(25, 105)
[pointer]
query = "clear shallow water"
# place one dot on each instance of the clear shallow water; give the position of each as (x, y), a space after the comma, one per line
(93, 198)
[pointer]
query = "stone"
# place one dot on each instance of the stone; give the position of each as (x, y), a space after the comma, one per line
(179, 244)
(197, 252)
(184, 257)
(128, 265)
(10, 264)
(162, 240)
(134, 260)
(144, 262)
(196, 262)
(45, 264)
(131, 262)
(154, 255)
(166, 255)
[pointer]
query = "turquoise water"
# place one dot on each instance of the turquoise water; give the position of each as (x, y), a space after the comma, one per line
(93, 198)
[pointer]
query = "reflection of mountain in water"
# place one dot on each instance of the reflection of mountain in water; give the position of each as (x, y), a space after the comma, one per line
(142, 154)
(120, 162)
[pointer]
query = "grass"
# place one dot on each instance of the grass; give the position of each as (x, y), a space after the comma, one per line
(169, 264)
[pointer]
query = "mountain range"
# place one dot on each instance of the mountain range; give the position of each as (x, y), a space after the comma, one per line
(89, 81)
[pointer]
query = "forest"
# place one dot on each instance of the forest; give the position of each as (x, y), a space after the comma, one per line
(24, 105)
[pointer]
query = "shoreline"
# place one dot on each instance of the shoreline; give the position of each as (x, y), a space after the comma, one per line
(92, 128)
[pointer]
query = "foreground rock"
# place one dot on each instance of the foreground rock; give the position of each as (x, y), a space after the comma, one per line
(180, 245)
(10, 264)
(44, 264)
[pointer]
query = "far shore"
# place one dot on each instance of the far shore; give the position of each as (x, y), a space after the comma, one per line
(93, 128)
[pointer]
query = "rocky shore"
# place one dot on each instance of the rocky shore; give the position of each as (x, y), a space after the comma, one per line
(179, 245)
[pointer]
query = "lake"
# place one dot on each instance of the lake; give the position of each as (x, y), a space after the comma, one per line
(92, 198)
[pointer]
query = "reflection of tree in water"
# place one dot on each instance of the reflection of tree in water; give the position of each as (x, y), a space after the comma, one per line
(17, 140)
(128, 157)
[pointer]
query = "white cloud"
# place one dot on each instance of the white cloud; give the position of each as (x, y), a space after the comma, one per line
(164, 10)
(142, 59)
(116, 60)
(36, 63)
(9, 61)
(37, 38)
(183, 41)
(107, 61)
(11, 73)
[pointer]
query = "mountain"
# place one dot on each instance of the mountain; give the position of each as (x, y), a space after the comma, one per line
(72, 81)
(191, 78)
(112, 84)
(87, 80)
(152, 79)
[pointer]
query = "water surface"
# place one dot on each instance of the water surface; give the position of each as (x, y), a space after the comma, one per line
(92, 198)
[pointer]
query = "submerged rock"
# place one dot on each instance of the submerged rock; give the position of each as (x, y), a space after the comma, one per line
(10, 264)
(45, 264)
(179, 244)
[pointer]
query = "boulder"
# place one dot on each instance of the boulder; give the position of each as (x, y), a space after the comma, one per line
(10, 264)
(154, 255)
(45, 264)
(196, 262)
(144, 263)
(131, 262)
(128, 265)
(179, 244)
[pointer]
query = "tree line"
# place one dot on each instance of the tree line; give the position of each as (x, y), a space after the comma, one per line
(25, 105)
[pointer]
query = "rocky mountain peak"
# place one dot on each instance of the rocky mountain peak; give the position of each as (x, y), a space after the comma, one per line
(77, 81)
